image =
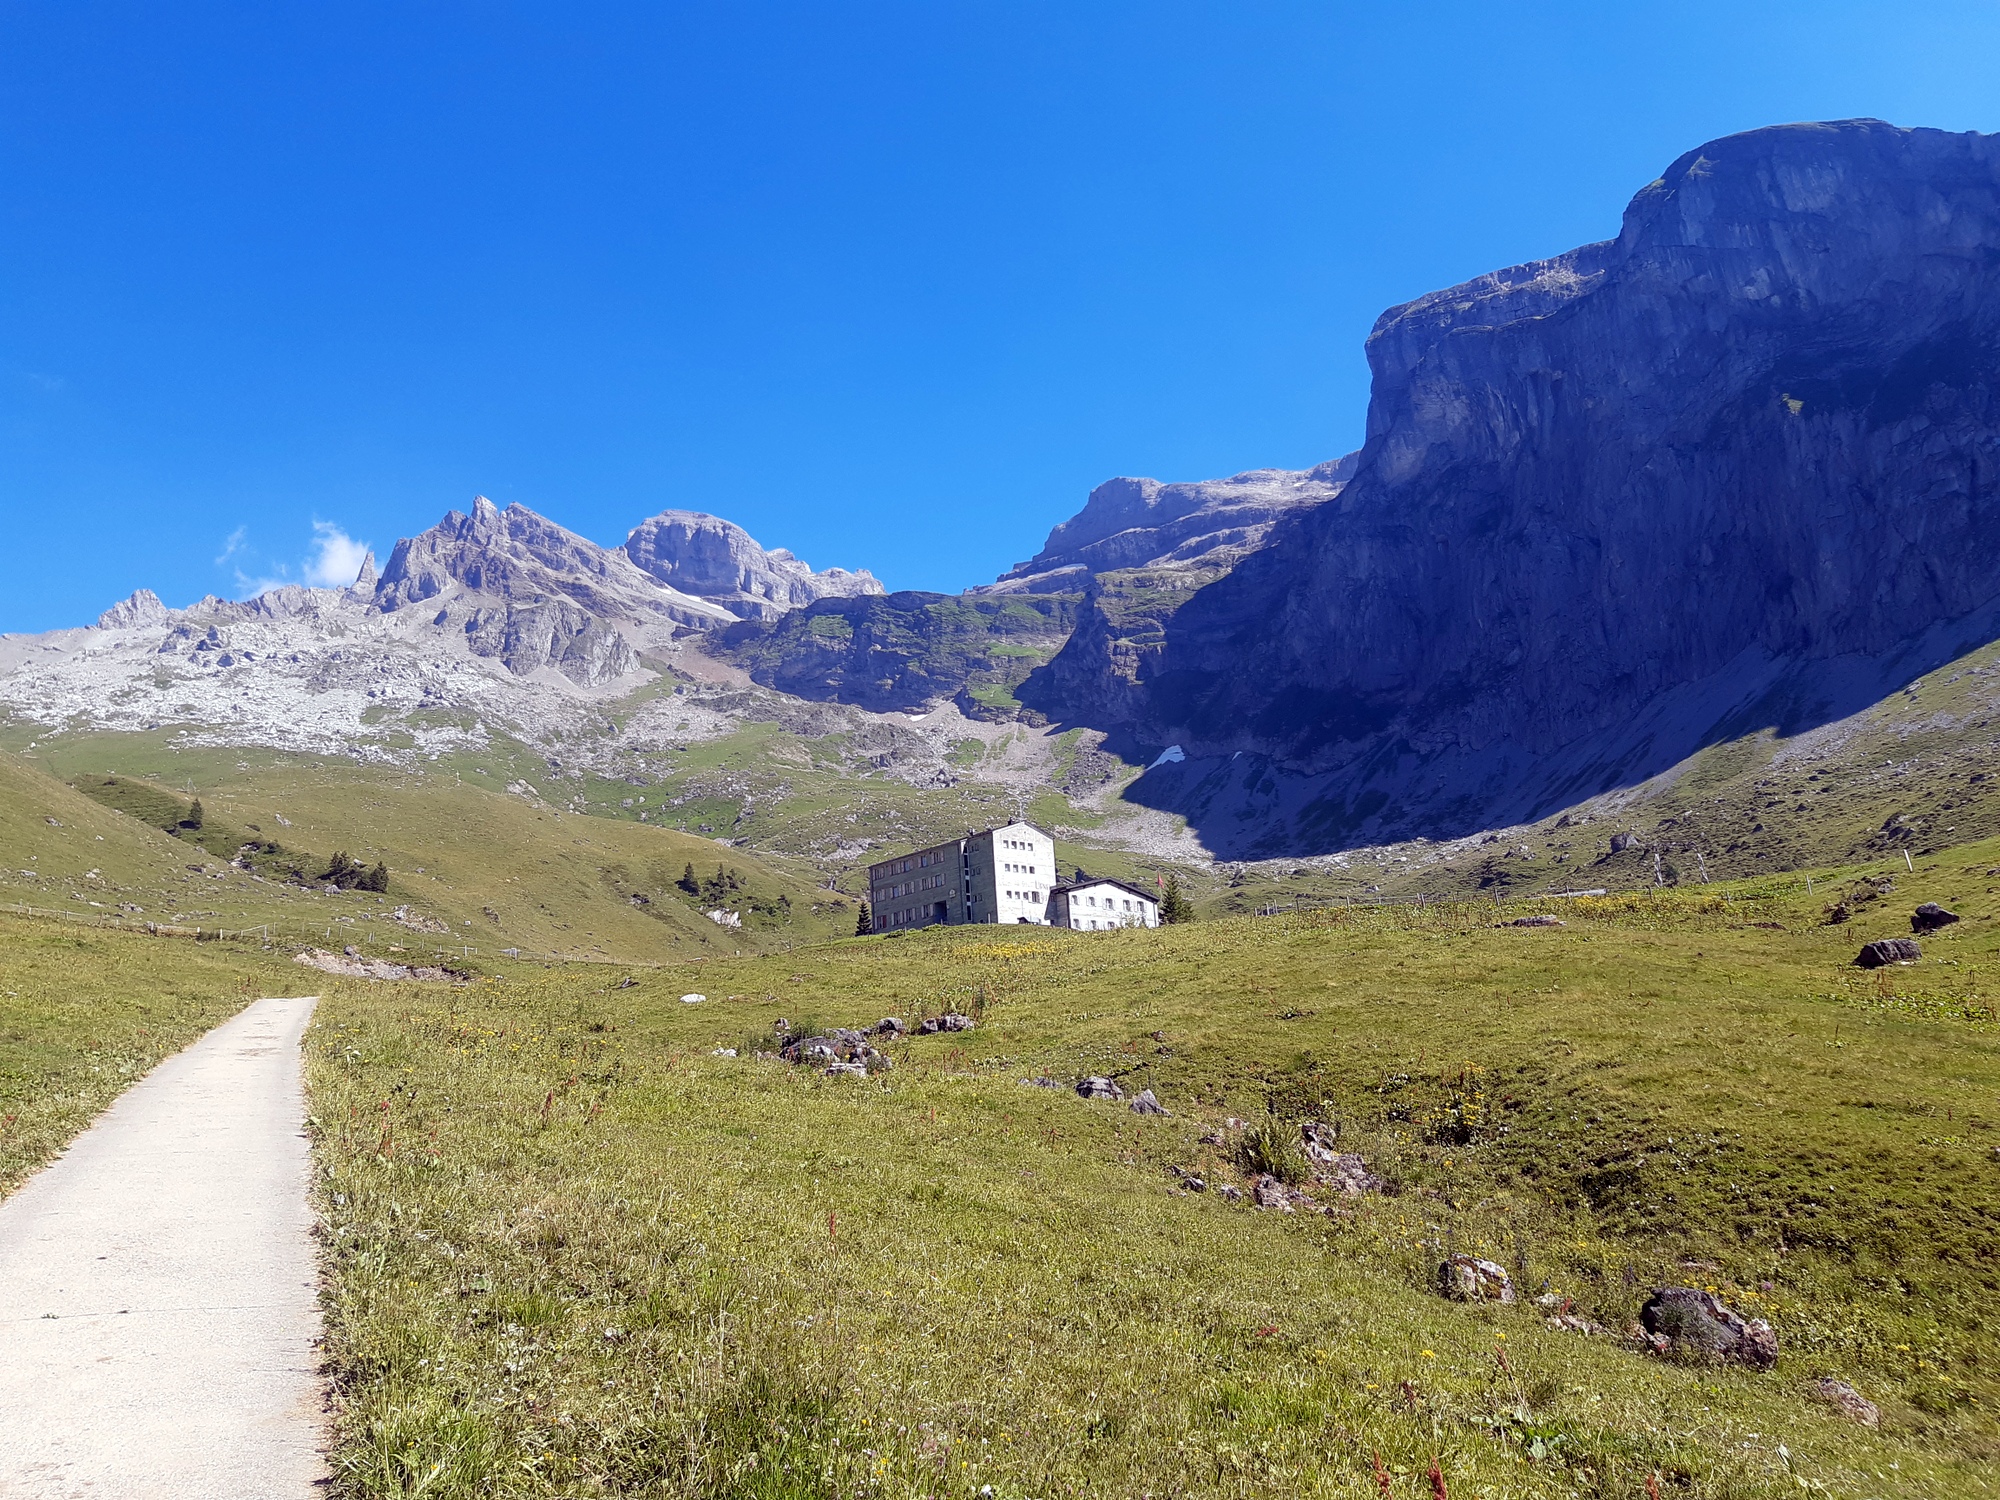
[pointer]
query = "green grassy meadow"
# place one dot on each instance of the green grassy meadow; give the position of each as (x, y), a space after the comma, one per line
(495, 869)
(573, 1251)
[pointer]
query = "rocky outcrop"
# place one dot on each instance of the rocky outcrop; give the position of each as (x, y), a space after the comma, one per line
(143, 608)
(1690, 1321)
(1142, 523)
(902, 651)
(715, 559)
(1733, 469)
(532, 594)
(519, 557)
(1886, 951)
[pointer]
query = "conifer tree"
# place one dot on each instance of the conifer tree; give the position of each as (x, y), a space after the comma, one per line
(1174, 905)
(864, 924)
(194, 815)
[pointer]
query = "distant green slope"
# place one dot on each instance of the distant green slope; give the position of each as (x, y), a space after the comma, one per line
(470, 866)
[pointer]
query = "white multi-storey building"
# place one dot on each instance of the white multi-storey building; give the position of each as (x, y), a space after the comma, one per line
(1004, 874)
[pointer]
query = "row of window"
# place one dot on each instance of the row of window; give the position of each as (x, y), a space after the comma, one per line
(1110, 903)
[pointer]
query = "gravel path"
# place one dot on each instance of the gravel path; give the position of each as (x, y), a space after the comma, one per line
(157, 1307)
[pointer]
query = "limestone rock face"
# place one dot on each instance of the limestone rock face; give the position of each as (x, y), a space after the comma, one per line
(1616, 504)
(142, 608)
(533, 594)
(1142, 523)
(716, 559)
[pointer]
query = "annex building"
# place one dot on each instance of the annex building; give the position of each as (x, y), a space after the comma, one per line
(1005, 874)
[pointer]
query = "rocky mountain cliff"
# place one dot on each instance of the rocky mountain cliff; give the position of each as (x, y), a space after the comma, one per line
(903, 651)
(1734, 468)
(1142, 523)
(532, 594)
(718, 560)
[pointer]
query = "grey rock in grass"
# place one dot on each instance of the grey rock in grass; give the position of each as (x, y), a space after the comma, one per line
(1887, 951)
(1930, 917)
(1319, 1141)
(949, 1021)
(1620, 842)
(1146, 1104)
(1694, 1321)
(1271, 1193)
(1467, 1278)
(891, 1026)
(1098, 1088)
(1043, 1083)
(1230, 1192)
(1195, 1184)
(1543, 920)
(1571, 1323)
(1845, 1399)
(846, 1070)
(1351, 1177)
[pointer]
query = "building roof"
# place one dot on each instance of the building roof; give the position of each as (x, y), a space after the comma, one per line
(1094, 880)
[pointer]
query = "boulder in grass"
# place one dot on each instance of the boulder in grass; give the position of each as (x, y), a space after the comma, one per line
(1098, 1088)
(891, 1026)
(1849, 1402)
(1146, 1104)
(1930, 917)
(1271, 1193)
(1467, 1278)
(1541, 920)
(949, 1021)
(1320, 1142)
(1350, 1176)
(1692, 1321)
(1888, 951)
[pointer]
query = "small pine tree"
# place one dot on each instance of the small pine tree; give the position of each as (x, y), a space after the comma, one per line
(193, 819)
(688, 882)
(1174, 905)
(378, 878)
(864, 924)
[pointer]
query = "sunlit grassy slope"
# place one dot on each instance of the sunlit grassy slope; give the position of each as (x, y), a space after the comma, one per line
(499, 870)
(572, 1251)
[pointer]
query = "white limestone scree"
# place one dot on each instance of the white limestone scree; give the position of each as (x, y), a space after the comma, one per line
(1003, 874)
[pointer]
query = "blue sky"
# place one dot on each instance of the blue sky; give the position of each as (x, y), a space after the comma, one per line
(892, 285)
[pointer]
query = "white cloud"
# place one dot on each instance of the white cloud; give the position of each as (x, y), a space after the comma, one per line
(336, 559)
(232, 545)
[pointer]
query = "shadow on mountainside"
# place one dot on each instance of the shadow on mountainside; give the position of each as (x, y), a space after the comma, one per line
(1250, 805)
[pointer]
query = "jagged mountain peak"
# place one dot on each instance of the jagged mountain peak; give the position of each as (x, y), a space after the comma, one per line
(714, 559)
(142, 607)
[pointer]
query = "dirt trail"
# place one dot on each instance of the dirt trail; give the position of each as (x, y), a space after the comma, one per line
(157, 1309)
